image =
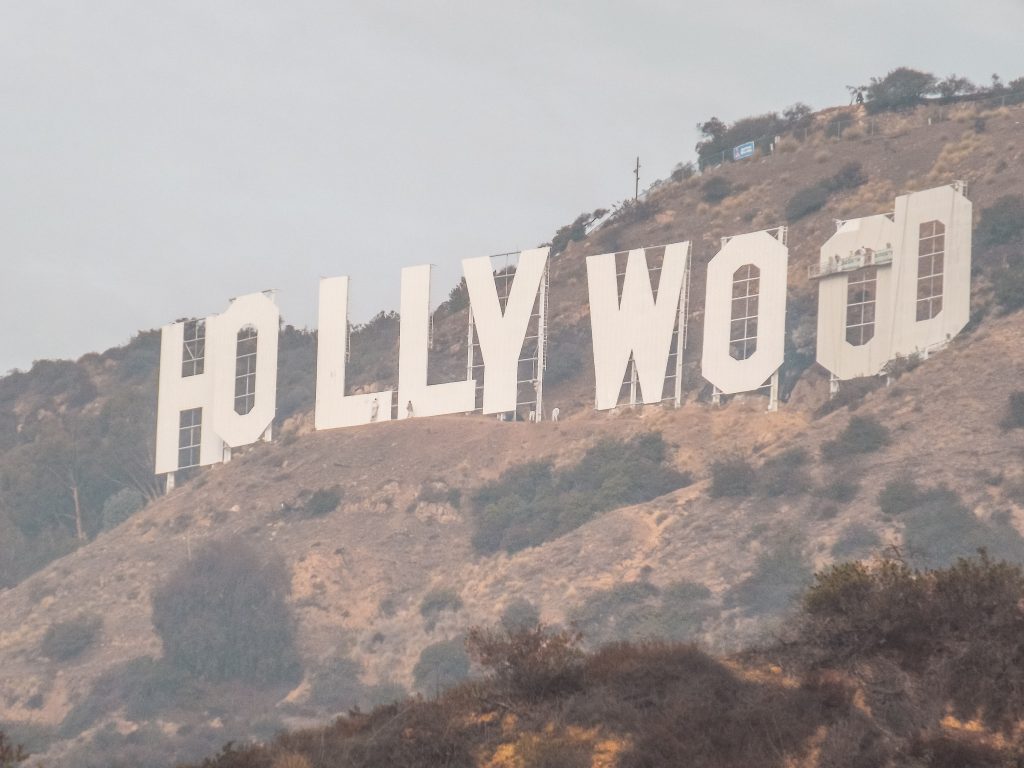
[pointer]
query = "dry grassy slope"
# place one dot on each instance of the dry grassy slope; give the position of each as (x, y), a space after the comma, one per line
(379, 545)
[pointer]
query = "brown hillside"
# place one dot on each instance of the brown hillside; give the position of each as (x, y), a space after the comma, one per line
(360, 573)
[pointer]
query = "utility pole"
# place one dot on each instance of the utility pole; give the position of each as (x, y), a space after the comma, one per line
(636, 172)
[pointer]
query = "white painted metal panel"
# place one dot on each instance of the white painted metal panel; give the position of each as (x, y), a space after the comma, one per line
(897, 330)
(333, 408)
(176, 394)
(433, 399)
(214, 389)
(502, 334)
(771, 257)
(636, 324)
(835, 353)
(260, 312)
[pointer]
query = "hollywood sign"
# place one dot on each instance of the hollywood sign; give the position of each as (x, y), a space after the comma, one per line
(888, 285)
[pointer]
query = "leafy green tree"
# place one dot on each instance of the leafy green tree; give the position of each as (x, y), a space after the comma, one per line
(901, 88)
(441, 665)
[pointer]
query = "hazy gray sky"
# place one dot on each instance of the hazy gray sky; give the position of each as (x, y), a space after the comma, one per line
(158, 158)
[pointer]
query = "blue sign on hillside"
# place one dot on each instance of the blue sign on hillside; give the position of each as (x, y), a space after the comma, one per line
(743, 151)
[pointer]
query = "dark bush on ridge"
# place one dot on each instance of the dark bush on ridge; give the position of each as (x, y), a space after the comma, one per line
(901, 88)
(1002, 222)
(733, 477)
(863, 434)
(785, 474)
(69, 639)
(813, 198)
(956, 626)
(323, 502)
(530, 663)
(715, 189)
(10, 753)
(223, 616)
(532, 503)
(441, 666)
(1015, 411)
(436, 602)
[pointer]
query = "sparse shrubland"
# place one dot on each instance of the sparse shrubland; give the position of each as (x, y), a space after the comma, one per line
(912, 648)
(534, 502)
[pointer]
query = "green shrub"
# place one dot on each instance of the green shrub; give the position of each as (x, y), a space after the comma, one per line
(864, 434)
(519, 614)
(69, 639)
(529, 664)
(438, 492)
(440, 666)
(899, 89)
(682, 172)
(851, 393)
(1015, 411)
(806, 201)
(785, 474)
(781, 572)
(813, 198)
(323, 502)
(436, 602)
(940, 528)
(1002, 222)
(732, 477)
(715, 189)
(639, 610)
(458, 298)
(899, 495)
(10, 754)
(120, 507)
(575, 231)
(223, 615)
(855, 539)
(956, 627)
(1008, 287)
(840, 489)
(336, 684)
(531, 503)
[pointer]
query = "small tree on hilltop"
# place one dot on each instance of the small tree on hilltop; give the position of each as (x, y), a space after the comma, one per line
(901, 88)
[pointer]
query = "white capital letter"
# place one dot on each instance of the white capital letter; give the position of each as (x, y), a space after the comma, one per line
(333, 407)
(415, 396)
(502, 334)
